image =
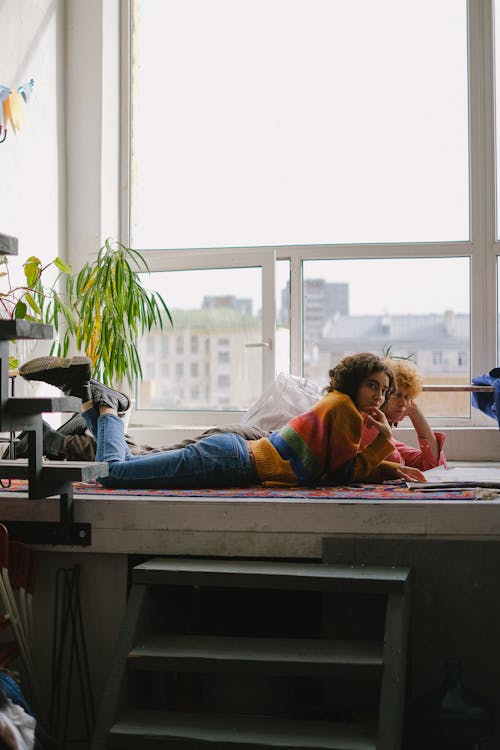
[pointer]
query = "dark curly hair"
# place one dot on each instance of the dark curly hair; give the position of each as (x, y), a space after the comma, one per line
(351, 371)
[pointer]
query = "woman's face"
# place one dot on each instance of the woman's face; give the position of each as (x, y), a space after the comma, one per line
(372, 391)
(397, 405)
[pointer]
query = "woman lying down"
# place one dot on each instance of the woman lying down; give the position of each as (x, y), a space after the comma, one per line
(321, 446)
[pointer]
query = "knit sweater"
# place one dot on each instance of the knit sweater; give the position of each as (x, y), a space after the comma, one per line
(322, 445)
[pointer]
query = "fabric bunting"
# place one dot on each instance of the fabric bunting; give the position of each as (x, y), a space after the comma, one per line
(12, 107)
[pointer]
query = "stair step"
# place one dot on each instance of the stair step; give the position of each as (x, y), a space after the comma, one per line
(54, 471)
(42, 404)
(155, 729)
(17, 328)
(271, 575)
(299, 656)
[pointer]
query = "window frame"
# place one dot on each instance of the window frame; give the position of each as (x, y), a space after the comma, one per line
(482, 247)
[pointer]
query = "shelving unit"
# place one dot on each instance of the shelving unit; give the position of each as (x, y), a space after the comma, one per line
(236, 654)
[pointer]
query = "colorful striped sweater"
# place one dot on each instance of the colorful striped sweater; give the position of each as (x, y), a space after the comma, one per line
(322, 445)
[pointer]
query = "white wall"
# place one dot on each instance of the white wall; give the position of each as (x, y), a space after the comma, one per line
(32, 164)
(59, 187)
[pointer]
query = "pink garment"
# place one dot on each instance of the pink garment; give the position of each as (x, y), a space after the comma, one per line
(420, 458)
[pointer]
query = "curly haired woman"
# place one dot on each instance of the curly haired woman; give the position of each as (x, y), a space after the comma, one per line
(401, 403)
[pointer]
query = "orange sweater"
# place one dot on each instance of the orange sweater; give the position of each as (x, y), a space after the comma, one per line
(322, 445)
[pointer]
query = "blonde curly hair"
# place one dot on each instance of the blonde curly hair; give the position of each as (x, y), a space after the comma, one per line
(406, 375)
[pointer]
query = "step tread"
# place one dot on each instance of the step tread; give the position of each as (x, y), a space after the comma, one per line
(275, 655)
(289, 575)
(20, 405)
(191, 652)
(223, 729)
(20, 328)
(54, 471)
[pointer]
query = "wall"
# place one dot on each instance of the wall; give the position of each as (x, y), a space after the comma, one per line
(32, 163)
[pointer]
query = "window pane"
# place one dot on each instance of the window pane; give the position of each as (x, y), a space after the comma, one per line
(203, 361)
(259, 122)
(371, 305)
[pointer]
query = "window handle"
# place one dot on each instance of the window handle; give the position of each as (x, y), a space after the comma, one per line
(268, 344)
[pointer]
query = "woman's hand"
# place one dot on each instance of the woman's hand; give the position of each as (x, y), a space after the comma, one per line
(410, 474)
(376, 418)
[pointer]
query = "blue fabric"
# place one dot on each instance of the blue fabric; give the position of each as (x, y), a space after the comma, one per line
(13, 691)
(220, 460)
(489, 403)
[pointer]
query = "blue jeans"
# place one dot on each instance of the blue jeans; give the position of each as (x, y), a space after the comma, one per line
(221, 460)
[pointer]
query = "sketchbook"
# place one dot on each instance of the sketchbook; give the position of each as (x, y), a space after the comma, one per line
(458, 477)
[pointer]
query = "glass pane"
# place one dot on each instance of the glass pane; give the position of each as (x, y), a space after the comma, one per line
(401, 304)
(204, 361)
(263, 122)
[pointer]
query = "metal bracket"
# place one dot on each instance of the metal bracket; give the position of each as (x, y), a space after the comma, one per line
(50, 532)
(65, 531)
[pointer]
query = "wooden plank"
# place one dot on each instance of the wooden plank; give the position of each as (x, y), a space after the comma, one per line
(53, 471)
(8, 245)
(114, 695)
(270, 575)
(16, 328)
(42, 404)
(299, 656)
(393, 687)
(146, 729)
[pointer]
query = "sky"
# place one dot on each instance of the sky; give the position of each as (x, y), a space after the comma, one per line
(375, 286)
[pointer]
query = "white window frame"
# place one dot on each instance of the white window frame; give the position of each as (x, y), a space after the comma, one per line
(482, 248)
(185, 260)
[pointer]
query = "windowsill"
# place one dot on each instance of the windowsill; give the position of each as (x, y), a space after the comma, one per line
(279, 527)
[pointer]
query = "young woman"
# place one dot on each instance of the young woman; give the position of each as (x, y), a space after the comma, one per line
(401, 403)
(321, 446)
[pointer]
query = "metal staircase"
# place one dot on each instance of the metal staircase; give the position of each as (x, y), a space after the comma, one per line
(233, 654)
(45, 478)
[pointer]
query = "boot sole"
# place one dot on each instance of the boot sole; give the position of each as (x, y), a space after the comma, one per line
(38, 369)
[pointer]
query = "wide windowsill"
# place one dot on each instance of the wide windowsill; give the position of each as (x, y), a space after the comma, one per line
(233, 527)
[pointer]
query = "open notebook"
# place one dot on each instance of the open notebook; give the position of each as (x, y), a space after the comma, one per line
(458, 477)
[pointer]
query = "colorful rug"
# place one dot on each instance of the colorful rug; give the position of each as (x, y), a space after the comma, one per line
(388, 491)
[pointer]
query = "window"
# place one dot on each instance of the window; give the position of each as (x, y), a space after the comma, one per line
(328, 135)
(360, 196)
(341, 315)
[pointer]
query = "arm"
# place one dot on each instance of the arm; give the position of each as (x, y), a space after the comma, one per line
(422, 428)
(369, 465)
(430, 452)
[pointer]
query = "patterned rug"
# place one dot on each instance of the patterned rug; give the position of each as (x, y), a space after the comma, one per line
(388, 491)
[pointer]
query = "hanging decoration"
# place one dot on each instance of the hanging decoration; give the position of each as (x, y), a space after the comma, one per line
(12, 107)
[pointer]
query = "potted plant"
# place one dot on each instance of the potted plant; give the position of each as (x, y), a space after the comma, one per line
(25, 301)
(104, 308)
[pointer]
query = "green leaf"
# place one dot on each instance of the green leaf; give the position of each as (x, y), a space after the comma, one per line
(32, 303)
(32, 270)
(62, 266)
(20, 310)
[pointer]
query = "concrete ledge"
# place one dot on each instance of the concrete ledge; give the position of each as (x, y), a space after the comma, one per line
(252, 528)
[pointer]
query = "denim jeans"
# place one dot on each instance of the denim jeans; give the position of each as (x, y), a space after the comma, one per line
(221, 460)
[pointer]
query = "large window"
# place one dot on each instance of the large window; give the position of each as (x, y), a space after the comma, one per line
(260, 122)
(347, 140)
